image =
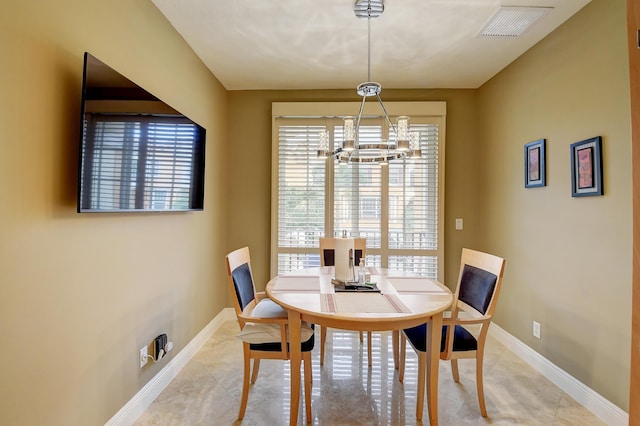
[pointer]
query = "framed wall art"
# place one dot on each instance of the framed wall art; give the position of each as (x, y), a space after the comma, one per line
(586, 167)
(534, 164)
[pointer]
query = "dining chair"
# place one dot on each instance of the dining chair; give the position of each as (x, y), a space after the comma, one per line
(327, 258)
(263, 325)
(476, 295)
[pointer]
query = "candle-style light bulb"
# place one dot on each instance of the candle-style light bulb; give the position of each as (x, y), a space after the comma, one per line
(403, 133)
(323, 145)
(349, 134)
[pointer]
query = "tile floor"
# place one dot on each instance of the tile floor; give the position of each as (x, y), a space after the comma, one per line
(347, 392)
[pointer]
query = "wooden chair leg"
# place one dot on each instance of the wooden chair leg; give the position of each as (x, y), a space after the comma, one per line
(245, 383)
(306, 359)
(369, 347)
(422, 377)
(395, 334)
(323, 338)
(480, 386)
(454, 370)
(256, 368)
(401, 355)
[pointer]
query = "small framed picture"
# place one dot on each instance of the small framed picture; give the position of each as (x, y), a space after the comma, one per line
(586, 167)
(534, 164)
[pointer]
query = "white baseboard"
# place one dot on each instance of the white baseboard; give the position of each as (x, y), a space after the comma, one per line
(590, 399)
(145, 396)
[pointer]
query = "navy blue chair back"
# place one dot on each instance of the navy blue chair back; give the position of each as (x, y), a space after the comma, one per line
(476, 288)
(243, 284)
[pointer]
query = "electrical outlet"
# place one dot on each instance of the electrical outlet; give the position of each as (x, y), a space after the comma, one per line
(536, 329)
(143, 356)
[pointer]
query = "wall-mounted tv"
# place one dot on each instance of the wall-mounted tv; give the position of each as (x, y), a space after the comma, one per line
(137, 153)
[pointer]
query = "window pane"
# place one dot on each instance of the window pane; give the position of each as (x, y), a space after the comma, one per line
(413, 196)
(358, 193)
(288, 262)
(423, 265)
(373, 259)
(301, 187)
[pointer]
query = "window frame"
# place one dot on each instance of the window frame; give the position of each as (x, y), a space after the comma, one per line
(429, 112)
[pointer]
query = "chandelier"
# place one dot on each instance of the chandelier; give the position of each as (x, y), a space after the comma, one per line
(407, 143)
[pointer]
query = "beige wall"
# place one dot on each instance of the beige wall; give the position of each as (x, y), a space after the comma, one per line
(250, 170)
(80, 294)
(568, 259)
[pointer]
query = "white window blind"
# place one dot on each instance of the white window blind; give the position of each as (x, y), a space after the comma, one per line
(396, 208)
(301, 195)
(413, 220)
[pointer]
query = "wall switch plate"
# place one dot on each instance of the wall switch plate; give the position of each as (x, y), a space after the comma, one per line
(143, 356)
(536, 329)
(459, 224)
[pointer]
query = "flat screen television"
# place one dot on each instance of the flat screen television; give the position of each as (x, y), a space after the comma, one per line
(137, 153)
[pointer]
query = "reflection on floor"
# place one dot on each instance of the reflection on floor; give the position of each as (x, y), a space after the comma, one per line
(347, 392)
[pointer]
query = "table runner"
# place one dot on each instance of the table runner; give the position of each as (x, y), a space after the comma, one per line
(297, 283)
(414, 285)
(351, 303)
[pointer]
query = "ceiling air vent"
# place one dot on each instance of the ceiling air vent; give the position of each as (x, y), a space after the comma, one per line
(512, 21)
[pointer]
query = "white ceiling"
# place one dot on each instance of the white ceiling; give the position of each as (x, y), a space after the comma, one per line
(321, 44)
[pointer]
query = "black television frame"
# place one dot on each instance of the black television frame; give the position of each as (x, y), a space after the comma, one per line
(109, 97)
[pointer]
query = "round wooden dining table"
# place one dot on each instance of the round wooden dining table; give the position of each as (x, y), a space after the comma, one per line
(404, 300)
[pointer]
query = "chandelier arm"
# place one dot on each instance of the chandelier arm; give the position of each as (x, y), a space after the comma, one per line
(386, 115)
(364, 98)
